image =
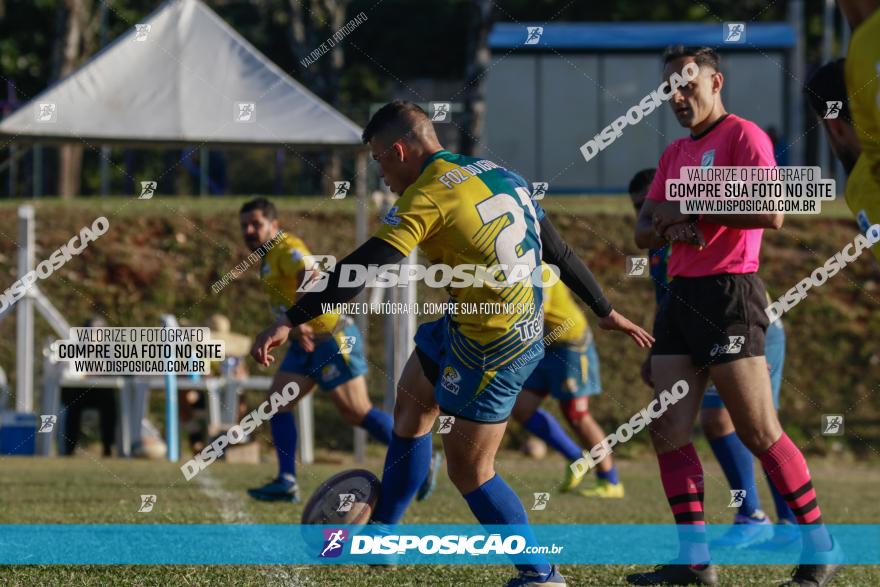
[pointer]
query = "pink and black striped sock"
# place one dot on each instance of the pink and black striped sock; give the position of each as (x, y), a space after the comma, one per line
(682, 477)
(786, 466)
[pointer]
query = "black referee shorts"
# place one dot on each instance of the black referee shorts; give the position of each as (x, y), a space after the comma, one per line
(714, 319)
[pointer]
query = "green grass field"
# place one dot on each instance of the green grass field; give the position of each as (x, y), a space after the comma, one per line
(106, 491)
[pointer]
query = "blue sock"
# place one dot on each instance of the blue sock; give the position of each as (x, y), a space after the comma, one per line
(495, 503)
(737, 463)
(547, 428)
(783, 512)
(284, 437)
(406, 465)
(610, 476)
(378, 424)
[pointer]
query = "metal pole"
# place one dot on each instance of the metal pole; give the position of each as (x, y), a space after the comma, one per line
(360, 435)
(203, 171)
(37, 166)
(172, 420)
(105, 171)
(826, 162)
(796, 66)
(24, 352)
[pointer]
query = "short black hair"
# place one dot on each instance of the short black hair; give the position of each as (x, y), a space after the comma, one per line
(641, 181)
(702, 55)
(396, 117)
(261, 204)
(828, 84)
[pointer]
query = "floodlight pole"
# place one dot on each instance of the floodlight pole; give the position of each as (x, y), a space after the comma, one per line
(24, 316)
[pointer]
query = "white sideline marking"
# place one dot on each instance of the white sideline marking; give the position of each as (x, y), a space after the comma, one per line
(233, 510)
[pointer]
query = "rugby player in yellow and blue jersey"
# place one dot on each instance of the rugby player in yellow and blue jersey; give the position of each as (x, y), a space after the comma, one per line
(569, 372)
(862, 72)
(327, 350)
(462, 212)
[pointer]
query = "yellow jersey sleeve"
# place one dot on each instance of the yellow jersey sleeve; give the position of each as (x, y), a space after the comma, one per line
(413, 219)
(861, 70)
(293, 262)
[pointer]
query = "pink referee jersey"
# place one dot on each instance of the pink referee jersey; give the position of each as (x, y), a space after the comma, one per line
(731, 142)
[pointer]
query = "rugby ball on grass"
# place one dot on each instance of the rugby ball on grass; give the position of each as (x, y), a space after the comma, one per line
(345, 498)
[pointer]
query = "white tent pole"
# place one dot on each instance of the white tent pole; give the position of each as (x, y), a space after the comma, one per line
(24, 352)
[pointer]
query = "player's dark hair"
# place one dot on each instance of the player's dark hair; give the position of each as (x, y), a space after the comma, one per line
(641, 181)
(263, 205)
(702, 55)
(397, 118)
(826, 85)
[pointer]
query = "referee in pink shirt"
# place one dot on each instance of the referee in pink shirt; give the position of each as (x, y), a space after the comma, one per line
(712, 324)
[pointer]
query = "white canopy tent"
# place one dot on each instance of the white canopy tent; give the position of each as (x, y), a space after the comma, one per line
(183, 77)
(178, 78)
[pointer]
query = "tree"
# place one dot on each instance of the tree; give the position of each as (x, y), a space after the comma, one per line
(78, 43)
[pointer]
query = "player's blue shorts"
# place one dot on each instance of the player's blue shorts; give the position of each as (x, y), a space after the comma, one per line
(774, 351)
(465, 392)
(567, 372)
(326, 364)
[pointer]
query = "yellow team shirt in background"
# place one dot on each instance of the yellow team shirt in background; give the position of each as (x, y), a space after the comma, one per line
(861, 69)
(280, 272)
(564, 322)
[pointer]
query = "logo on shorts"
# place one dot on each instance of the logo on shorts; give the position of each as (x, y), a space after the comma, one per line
(329, 372)
(570, 385)
(319, 275)
(333, 542)
(346, 500)
(47, 423)
(346, 344)
(737, 497)
(708, 158)
(541, 501)
(451, 378)
(445, 425)
(832, 425)
(733, 346)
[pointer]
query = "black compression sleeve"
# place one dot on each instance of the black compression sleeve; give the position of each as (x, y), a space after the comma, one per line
(373, 252)
(572, 270)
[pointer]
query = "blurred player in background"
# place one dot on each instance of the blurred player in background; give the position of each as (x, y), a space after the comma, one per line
(569, 372)
(460, 211)
(861, 71)
(827, 95)
(327, 350)
(713, 323)
(735, 459)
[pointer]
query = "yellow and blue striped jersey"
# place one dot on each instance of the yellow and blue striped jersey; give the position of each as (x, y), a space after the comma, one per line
(280, 271)
(862, 69)
(469, 211)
